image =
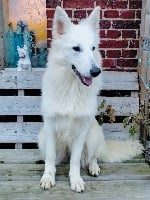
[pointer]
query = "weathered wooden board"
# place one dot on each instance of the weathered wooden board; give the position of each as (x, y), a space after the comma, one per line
(27, 132)
(116, 131)
(145, 25)
(109, 171)
(20, 156)
(120, 81)
(123, 106)
(20, 105)
(122, 190)
(28, 156)
(11, 79)
(19, 132)
(30, 105)
(20, 176)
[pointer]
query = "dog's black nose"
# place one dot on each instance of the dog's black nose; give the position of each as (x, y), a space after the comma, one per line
(95, 71)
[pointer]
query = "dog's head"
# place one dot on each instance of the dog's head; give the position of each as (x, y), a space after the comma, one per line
(76, 46)
(22, 52)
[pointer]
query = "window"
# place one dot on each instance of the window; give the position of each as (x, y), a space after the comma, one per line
(24, 23)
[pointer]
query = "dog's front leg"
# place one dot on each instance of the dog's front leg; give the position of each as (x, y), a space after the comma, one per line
(48, 178)
(77, 183)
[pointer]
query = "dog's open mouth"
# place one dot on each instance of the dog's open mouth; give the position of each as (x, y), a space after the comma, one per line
(85, 80)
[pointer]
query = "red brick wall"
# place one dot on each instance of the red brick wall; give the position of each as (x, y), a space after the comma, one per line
(119, 28)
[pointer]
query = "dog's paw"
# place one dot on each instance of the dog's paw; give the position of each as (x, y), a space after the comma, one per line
(94, 169)
(77, 184)
(47, 181)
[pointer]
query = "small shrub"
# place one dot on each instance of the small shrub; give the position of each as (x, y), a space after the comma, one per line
(105, 110)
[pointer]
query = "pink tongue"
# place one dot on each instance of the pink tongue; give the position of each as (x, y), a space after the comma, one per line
(87, 81)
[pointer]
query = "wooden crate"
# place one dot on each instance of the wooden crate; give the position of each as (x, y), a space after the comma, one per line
(20, 121)
(21, 167)
(20, 105)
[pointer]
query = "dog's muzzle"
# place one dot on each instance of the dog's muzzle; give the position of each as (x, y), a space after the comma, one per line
(22, 55)
(95, 71)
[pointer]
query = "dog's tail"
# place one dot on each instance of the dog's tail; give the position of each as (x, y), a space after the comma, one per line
(118, 151)
(112, 150)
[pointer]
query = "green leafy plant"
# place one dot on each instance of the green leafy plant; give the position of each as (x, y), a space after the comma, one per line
(132, 121)
(105, 110)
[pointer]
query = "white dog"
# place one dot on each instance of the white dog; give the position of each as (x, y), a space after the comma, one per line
(69, 103)
(24, 62)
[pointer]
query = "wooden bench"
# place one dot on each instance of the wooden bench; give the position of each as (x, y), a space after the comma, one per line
(20, 122)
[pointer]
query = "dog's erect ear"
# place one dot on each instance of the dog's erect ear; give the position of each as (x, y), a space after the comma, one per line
(94, 18)
(61, 22)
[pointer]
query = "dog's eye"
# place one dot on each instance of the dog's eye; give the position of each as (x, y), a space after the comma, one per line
(93, 48)
(76, 48)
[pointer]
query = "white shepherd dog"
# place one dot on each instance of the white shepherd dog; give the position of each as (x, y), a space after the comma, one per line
(69, 103)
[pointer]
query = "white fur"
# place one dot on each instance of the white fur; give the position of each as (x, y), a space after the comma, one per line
(69, 107)
(24, 62)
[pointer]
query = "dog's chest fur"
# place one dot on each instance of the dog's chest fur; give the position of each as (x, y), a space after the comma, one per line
(66, 128)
